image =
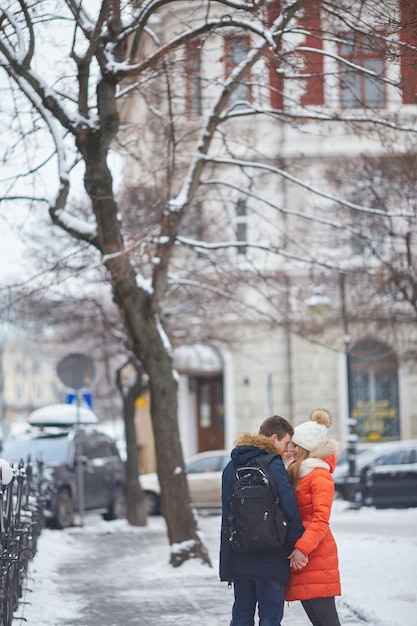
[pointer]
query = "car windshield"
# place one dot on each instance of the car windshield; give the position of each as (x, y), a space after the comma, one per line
(211, 463)
(52, 449)
(343, 457)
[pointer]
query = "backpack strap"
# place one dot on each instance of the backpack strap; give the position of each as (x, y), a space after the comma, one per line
(265, 460)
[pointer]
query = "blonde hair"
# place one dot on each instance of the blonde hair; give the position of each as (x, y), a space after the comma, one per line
(294, 468)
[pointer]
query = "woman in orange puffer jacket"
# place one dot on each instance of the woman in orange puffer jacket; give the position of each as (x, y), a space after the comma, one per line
(314, 459)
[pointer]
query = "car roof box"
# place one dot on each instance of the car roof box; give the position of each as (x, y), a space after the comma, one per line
(62, 415)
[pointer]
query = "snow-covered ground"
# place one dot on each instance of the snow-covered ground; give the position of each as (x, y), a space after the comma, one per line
(378, 562)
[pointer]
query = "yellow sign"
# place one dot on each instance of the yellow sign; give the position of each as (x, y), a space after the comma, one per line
(379, 409)
(142, 402)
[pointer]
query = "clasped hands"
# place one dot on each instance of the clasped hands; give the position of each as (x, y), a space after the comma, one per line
(298, 560)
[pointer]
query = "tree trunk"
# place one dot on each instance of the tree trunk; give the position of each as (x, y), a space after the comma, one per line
(151, 348)
(175, 499)
(135, 501)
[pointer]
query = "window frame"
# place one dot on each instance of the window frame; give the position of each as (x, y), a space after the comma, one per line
(363, 55)
(193, 80)
(230, 64)
(373, 389)
(241, 225)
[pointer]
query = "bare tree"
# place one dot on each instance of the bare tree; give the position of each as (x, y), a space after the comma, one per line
(131, 387)
(91, 324)
(71, 114)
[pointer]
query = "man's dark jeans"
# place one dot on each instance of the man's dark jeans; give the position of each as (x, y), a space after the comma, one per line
(267, 594)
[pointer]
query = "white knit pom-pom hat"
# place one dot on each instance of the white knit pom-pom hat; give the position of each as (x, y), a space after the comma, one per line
(310, 435)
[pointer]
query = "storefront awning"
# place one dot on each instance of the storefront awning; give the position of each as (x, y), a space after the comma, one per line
(197, 358)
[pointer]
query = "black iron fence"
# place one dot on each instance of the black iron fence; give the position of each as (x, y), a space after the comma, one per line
(21, 521)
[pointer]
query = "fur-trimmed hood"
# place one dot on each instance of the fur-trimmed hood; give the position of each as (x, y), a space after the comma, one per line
(327, 448)
(324, 456)
(257, 441)
(248, 447)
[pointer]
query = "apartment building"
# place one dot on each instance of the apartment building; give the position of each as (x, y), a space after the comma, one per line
(28, 379)
(308, 173)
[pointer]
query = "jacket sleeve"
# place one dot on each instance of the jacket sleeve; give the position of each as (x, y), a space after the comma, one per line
(322, 492)
(227, 485)
(287, 501)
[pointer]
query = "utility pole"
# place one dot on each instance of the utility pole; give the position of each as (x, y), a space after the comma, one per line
(77, 371)
(352, 436)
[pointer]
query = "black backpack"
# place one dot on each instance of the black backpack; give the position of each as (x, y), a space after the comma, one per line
(255, 520)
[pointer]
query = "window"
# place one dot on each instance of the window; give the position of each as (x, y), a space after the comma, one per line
(359, 89)
(399, 457)
(366, 231)
(237, 49)
(97, 447)
(373, 391)
(241, 225)
(207, 464)
(193, 79)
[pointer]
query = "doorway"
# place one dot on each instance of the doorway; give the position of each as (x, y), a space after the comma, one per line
(210, 412)
(373, 375)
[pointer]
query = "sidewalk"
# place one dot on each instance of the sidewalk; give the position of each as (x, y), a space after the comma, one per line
(109, 574)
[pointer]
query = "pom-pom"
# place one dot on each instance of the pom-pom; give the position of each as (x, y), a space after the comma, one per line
(321, 416)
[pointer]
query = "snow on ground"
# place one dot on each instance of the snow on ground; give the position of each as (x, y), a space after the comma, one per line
(377, 551)
(46, 597)
(378, 562)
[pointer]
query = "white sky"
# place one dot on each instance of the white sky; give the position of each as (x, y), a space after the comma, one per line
(11, 251)
(377, 552)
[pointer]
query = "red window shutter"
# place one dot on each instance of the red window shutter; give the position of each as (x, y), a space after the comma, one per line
(408, 36)
(314, 94)
(276, 81)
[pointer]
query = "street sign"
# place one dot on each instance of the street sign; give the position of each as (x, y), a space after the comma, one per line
(76, 371)
(84, 396)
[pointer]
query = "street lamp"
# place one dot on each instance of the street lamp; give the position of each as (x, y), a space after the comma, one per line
(319, 305)
(351, 422)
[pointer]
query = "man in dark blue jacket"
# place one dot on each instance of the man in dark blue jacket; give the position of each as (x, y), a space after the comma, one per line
(260, 578)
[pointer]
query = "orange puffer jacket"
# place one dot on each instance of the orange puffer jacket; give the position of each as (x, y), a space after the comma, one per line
(320, 577)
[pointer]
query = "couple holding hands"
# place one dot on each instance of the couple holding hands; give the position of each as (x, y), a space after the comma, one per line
(306, 569)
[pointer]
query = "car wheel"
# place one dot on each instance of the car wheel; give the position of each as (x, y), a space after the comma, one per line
(63, 510)
(117, 508)
(152, 503)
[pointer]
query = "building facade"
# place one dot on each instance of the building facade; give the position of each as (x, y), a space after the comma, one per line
(28, 379)
(307, 176)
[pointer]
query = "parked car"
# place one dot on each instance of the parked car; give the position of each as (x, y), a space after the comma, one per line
(341, 474)
(204, 476)
(61, 446)
(386, 475)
